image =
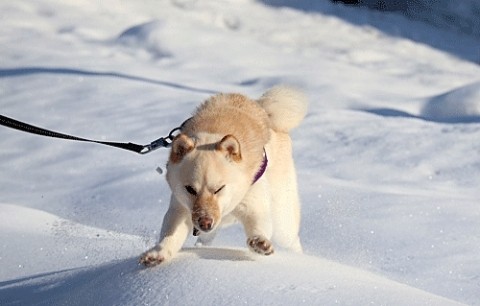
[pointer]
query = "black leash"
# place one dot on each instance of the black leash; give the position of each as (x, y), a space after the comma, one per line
(162, 142)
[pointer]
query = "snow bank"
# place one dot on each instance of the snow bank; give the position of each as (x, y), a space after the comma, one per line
(199, 276)
(462, 16)
(147, 36)
(451, 26)
(458, 105)
(36, 242)
(216, 277)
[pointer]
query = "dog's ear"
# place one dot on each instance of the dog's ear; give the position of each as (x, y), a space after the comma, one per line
(181, 146)
(231, 147)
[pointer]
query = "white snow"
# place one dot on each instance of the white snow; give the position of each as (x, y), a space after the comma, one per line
(388, 157)
(456, 105)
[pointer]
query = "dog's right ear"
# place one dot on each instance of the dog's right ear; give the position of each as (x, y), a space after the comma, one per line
(230, 146)
(181, 146)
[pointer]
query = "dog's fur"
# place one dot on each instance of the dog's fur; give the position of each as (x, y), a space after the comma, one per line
(212, 167)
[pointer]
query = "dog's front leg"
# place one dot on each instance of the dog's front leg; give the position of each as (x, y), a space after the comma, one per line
(175, 228)
(255, 215)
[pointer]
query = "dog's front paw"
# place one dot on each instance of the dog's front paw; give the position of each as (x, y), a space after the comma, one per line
(152, 258)
(260, 245)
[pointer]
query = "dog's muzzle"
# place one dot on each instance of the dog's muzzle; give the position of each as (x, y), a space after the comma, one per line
(204, 224)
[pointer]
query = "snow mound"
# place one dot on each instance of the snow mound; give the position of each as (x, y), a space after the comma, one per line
(41, 236)
(148, 37)
(458, 105)
(212, 276)
(209, 275)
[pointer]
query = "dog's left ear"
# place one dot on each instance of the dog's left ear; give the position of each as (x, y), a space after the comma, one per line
(231, 147)
(181, 146)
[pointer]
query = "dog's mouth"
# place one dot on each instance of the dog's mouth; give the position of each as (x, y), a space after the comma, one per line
(196, 231)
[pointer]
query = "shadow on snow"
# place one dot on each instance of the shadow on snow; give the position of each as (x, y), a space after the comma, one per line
(25, 71)
(444, 40)
(390, 112)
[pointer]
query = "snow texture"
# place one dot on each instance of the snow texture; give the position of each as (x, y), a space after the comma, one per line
(462, 16)
(388, 157)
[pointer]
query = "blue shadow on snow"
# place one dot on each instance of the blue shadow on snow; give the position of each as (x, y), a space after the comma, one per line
(390, 112)
(24, 71)
(421, 32)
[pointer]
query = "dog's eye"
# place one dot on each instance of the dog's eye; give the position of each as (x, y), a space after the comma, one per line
(219, 189)
(190, 190)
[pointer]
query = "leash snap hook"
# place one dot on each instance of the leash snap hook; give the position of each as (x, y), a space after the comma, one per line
(162, 142)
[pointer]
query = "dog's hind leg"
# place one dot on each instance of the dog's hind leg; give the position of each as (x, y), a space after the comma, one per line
(284, 190)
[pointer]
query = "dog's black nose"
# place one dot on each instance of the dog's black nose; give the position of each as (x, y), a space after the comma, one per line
(205, 223)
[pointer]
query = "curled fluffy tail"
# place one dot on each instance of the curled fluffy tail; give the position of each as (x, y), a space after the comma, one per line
(285, 106)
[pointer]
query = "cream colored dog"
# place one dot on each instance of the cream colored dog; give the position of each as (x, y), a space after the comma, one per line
(233, 161)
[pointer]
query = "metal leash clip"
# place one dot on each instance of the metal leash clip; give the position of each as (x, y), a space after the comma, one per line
(162, 142)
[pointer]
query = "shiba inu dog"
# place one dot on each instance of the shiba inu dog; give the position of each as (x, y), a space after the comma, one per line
(233, 161)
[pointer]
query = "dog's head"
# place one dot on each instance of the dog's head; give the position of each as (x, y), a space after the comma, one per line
(206, 176)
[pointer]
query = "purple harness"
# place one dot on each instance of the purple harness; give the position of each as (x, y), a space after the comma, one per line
(262, 169)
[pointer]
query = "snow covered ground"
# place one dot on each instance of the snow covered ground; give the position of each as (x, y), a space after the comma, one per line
(388, 157)
(462, 15)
